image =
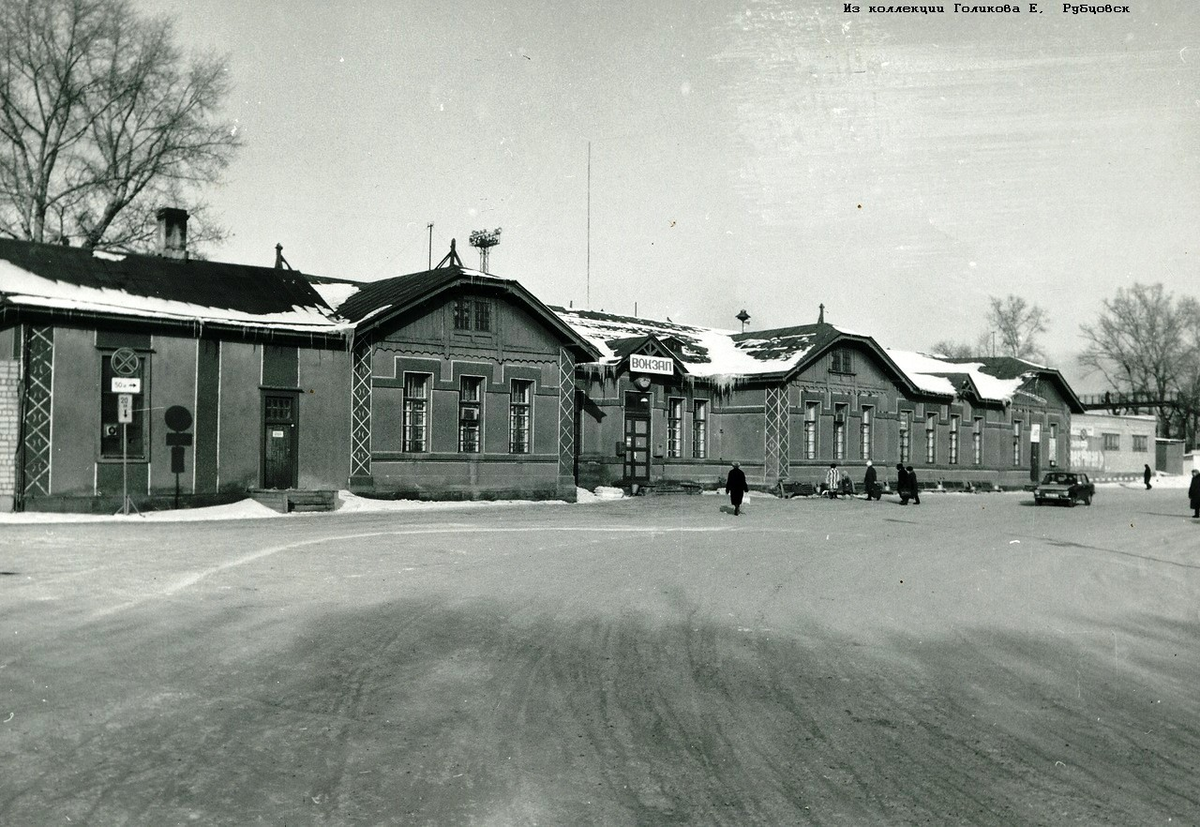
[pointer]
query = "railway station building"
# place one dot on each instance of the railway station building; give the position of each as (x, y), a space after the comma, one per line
(171, 380)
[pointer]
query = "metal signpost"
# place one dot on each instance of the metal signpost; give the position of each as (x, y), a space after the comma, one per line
(178, 419)
(125, 364)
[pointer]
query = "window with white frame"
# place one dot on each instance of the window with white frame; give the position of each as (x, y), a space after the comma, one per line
(864, 432)
(930, 438)
(839, 431)
(470, 402)
(953, 458)
(977, 441)
(905, 436)
(1016, 442)
(520, 410)
(674, 427)
(810, 429)
(700, 429)
(416, 412)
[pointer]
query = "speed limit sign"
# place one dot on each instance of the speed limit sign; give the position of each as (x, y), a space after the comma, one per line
(125, 408)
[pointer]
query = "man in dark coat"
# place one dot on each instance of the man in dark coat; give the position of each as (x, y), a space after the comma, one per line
(1194, 493)
(913, 490)
(902, 483)
(1146, 477)
(869, 482)
(735, 487)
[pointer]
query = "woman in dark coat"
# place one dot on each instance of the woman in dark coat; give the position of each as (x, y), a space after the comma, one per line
(1194, 493)
(869, 481)
(735, 487)
(1146, 477)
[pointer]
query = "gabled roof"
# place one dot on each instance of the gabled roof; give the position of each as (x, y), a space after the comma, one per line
(719, 355)
(47, 279)
(781, 353)
(1010, 369)
(374, 304)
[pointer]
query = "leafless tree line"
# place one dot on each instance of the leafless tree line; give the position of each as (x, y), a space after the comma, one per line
(1146, 341)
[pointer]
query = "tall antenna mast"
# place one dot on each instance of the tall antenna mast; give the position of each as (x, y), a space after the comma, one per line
(430, 245)
(589, 228)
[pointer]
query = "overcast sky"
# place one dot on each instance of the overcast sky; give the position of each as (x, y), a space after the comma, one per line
(769, 155)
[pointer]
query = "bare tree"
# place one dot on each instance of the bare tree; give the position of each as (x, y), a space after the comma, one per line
(102, 121)
(1148, 342)
(954, 350)
(1016, 325)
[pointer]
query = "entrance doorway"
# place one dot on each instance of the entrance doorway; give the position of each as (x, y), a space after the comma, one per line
(1035, 462)
(637, 437)
(279, 441)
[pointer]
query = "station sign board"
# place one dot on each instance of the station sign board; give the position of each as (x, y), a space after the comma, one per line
(641, 363)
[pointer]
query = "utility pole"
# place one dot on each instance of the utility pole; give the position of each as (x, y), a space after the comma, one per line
(430, 246)
(588, 285)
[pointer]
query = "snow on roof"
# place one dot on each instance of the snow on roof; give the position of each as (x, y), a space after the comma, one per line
(702, 351)
(335, 293)
(933, 374)
(21, 287)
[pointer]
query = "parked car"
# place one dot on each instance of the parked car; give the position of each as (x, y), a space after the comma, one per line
(1064, 487)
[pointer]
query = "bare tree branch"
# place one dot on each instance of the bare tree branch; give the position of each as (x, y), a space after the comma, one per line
(101, 117)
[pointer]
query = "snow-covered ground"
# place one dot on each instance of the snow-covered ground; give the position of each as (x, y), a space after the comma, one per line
(348, 503)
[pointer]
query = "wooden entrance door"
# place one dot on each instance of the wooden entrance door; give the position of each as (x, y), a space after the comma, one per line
(637, 437)
(279, 442)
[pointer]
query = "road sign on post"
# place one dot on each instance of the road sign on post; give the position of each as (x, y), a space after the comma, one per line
(124, 408)
(178, 419)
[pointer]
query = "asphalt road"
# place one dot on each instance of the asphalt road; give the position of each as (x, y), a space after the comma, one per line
(973, 660)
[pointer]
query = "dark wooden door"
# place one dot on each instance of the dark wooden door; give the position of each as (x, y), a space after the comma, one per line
(637, 437)
(279, 442)
(1035, 461)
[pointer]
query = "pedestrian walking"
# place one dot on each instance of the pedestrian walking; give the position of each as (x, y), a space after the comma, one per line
(735, 487)
(869, 482)
(1194, 493)
(1146, 477)
(912, 486)
(833, 481)
(902, 483)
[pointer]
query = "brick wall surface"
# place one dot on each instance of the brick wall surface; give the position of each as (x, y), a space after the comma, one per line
(10, 374)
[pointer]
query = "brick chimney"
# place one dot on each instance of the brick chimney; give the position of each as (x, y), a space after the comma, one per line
(172, 233)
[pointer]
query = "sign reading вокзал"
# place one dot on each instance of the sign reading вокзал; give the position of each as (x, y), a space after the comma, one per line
(640, 363)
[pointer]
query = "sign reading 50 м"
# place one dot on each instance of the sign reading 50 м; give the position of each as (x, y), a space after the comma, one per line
(642, 363)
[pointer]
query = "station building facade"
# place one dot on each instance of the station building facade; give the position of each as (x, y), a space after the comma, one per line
(455, 384)
(671, 401)
(249, 361)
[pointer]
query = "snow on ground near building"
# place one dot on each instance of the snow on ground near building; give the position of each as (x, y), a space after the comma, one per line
(348, 503)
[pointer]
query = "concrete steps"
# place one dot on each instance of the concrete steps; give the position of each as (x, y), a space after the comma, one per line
(293, 499)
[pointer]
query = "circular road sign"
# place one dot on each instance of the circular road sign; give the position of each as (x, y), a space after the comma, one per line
(125, 362)
(178, 418)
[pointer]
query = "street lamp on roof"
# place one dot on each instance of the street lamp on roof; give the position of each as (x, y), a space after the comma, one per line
(743, 317)
(485, 240)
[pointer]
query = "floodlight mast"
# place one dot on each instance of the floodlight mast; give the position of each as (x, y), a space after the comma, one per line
(484, 240)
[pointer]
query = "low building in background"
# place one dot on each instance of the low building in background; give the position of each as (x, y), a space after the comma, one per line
(1113, 447)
